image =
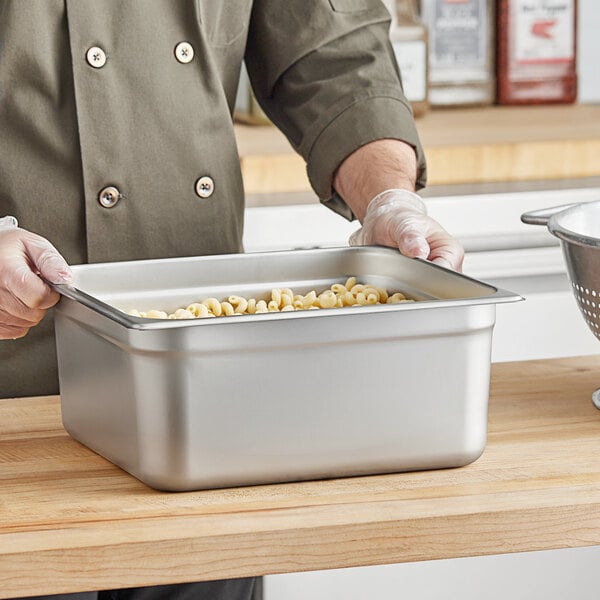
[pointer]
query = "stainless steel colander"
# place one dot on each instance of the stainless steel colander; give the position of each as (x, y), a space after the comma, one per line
(577, 226)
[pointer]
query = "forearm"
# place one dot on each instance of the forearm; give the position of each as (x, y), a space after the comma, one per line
(373, 168)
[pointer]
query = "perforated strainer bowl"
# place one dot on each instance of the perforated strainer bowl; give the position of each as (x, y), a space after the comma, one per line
(577, 226)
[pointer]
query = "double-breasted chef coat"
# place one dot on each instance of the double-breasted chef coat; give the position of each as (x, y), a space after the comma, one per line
(116, 135)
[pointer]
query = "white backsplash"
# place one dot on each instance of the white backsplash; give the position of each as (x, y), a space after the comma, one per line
(588, 65)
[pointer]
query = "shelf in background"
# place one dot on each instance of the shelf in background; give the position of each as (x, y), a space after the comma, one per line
(474, 145)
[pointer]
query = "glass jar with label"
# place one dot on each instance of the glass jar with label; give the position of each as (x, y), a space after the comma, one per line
(461, 51)
(536, 51)
(409, 41)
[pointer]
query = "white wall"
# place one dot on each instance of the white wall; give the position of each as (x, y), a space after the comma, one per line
(588, 60)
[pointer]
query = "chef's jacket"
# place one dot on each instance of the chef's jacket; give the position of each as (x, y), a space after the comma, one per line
(116, 133)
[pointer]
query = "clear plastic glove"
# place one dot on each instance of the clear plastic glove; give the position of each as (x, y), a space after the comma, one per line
(24, 297)
(398, 218)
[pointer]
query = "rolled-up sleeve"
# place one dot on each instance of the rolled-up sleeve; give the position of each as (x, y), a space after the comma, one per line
(325, 74)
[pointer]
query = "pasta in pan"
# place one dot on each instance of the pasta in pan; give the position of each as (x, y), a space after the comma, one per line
(283, 300)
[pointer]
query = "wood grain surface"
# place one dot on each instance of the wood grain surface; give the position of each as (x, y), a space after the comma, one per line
(474, 145)
(71, 521)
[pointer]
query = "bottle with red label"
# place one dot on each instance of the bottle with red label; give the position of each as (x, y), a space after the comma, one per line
(536, 53)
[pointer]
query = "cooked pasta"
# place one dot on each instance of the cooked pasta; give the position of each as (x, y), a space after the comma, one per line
(283, 300)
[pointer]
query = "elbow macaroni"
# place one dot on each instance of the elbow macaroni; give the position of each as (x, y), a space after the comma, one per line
(283, 300)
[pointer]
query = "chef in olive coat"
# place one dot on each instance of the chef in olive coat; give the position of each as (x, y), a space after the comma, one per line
(117, 143)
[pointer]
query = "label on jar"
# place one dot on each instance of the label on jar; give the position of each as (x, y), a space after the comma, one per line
(458, 32)
(412, 61)
(543, 30)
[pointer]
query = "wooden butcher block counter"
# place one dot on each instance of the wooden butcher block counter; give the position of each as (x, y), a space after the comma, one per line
(71, 521)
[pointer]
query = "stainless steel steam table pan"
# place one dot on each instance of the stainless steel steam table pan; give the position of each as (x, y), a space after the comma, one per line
(229, 401)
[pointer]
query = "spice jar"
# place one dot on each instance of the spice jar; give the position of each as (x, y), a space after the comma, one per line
(461, 51)
(409, 41)
(536, 51)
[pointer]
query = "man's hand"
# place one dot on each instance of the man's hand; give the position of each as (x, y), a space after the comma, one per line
(398, 218)
(26, 258)
(377, 181)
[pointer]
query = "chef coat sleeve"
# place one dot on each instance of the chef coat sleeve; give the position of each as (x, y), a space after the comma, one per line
(324, 72)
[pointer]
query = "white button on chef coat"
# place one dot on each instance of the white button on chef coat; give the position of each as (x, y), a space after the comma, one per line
(205, 187)
(184, 52)
(109, 196)
(96, 57)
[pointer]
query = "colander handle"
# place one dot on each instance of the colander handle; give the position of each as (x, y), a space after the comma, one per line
(542, 216)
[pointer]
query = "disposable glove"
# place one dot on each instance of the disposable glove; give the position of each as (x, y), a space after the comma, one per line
(398, 218)
(24, 297)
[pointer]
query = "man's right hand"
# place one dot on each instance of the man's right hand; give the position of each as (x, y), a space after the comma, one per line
(26, 259)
